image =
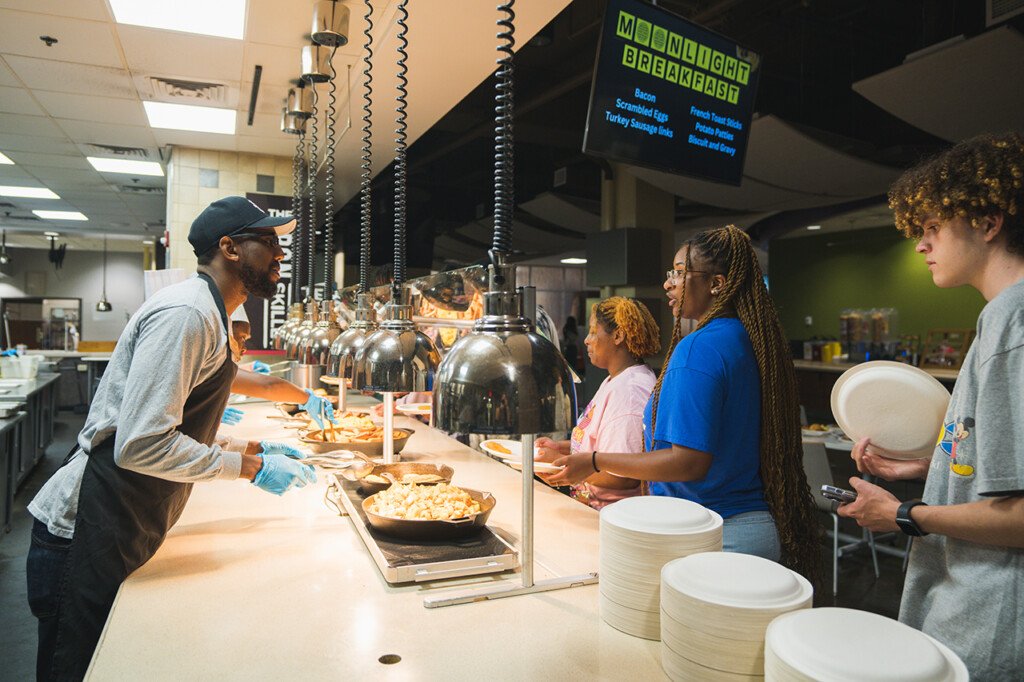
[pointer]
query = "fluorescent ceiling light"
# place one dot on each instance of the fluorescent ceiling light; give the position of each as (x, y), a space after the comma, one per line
(190, 117)
(5, 161)
(27, 192)
(147, 242)
(574, 261)
(223, 18)
(126, 166)
(51, 234)
(60, 215)
(814, 227)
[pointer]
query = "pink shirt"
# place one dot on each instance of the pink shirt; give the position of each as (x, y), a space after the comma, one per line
(613, 422)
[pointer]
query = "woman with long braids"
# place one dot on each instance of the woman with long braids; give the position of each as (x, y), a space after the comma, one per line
(724, 412)
(622, 333)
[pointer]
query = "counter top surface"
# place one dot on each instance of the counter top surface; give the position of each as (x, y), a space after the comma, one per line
(25, 387)
(65, 353)
(840, 367)
(253, 586)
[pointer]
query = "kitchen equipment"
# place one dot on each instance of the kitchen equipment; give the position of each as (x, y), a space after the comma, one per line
(398, 470)
(314, 441)
(403, 560)
(429, 529)
(899, 407)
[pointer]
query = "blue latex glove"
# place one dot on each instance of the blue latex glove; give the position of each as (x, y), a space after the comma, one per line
(232, 415)
(274, 448)
(260, 367)
(318, 408)
(279, 474)
(9, 353)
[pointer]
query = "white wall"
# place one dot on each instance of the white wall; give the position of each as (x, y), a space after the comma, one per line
(81, 277)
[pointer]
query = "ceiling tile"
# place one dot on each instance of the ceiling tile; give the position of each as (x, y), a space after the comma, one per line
(181, 55)
(90, 108)
(50, 160)
(14, 173)
(29, 125)
(266, 23)
(106, 133)
(7, 76)
(64, 174)
(78, 41)
(80, 9)
(45, 74)
(183, 138)
(30, 143)
(280, 64)
(18, 101)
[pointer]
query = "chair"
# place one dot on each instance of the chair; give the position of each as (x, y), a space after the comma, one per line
(818, 474)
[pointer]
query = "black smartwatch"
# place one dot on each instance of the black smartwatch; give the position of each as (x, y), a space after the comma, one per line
(907, 524)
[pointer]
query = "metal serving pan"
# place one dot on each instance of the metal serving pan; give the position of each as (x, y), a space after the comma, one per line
(400, 469)
(423, 529)
(374, 448)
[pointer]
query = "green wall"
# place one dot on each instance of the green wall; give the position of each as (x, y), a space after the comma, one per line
(821, 274)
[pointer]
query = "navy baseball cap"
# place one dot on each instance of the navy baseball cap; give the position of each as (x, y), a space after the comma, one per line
(229, 216)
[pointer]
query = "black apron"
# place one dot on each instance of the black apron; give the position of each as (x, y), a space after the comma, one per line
(123, 518)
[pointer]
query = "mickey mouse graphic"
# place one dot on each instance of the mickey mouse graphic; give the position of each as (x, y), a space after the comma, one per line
(952, 435)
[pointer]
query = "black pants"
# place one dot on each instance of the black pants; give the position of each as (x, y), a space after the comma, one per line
(47, 558)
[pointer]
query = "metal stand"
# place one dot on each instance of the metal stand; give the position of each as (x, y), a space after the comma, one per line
(389, 427)
(527, 584)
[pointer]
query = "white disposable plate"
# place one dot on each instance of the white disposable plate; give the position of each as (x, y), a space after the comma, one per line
(415, 408)
(631, 621)
(661, 515)
(538, 467)
(899, 407)
(735, 580)
(730, 655)
(678, 667)
(850, 645)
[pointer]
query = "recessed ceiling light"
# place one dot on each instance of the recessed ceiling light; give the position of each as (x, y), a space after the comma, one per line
(51, 234)
(125, 166)
(574, 261)
(223, 18)
(814, 227)
(27, 192)
(190, 117)
(5, 161)
(60, 215)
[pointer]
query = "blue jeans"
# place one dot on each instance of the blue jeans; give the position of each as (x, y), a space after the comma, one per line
(47, 557)
(752, 533)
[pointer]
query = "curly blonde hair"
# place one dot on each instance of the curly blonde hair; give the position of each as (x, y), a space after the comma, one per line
(640, 331)
(975, 179)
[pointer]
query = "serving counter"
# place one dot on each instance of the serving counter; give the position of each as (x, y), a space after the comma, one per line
(253, 586)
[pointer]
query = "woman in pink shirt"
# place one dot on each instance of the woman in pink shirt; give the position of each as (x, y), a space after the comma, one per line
(622, 334)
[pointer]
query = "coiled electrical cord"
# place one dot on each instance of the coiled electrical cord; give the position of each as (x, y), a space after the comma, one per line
(297, 164)
(504, 150)
(311, 224)
(332, 140)
(400, 151)
(366, 205)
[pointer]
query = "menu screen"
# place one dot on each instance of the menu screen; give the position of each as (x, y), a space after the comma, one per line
(670, 95)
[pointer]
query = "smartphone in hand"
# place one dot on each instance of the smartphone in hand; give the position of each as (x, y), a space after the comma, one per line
(840, 495)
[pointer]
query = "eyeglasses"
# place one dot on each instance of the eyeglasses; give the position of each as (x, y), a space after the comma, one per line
(268, 240)
(675, 275)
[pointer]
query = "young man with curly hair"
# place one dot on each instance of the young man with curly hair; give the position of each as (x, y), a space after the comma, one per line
(965, 583)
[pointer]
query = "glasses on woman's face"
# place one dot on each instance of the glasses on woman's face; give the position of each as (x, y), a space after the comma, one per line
(268, 240)
(674, 276)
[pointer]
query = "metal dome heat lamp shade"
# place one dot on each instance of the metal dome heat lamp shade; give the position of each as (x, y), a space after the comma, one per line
(330, 23)
(103, 305)
(300, 102)
(397, 357)
(504, 377)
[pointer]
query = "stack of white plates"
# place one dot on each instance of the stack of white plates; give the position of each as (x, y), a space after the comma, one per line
(715, 608)
(638, 536)
(849, 645)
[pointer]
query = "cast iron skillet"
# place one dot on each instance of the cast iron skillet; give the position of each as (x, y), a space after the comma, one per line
(422, 529)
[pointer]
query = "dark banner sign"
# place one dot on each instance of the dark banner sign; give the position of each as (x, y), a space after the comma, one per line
(266, 316)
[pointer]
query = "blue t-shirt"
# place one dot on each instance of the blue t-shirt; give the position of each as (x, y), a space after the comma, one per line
(711, 401)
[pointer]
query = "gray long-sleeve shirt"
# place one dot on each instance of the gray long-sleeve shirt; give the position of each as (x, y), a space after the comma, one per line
(172, 344)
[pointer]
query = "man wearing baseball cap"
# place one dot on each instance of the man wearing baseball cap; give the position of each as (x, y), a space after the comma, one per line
(150, 435)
